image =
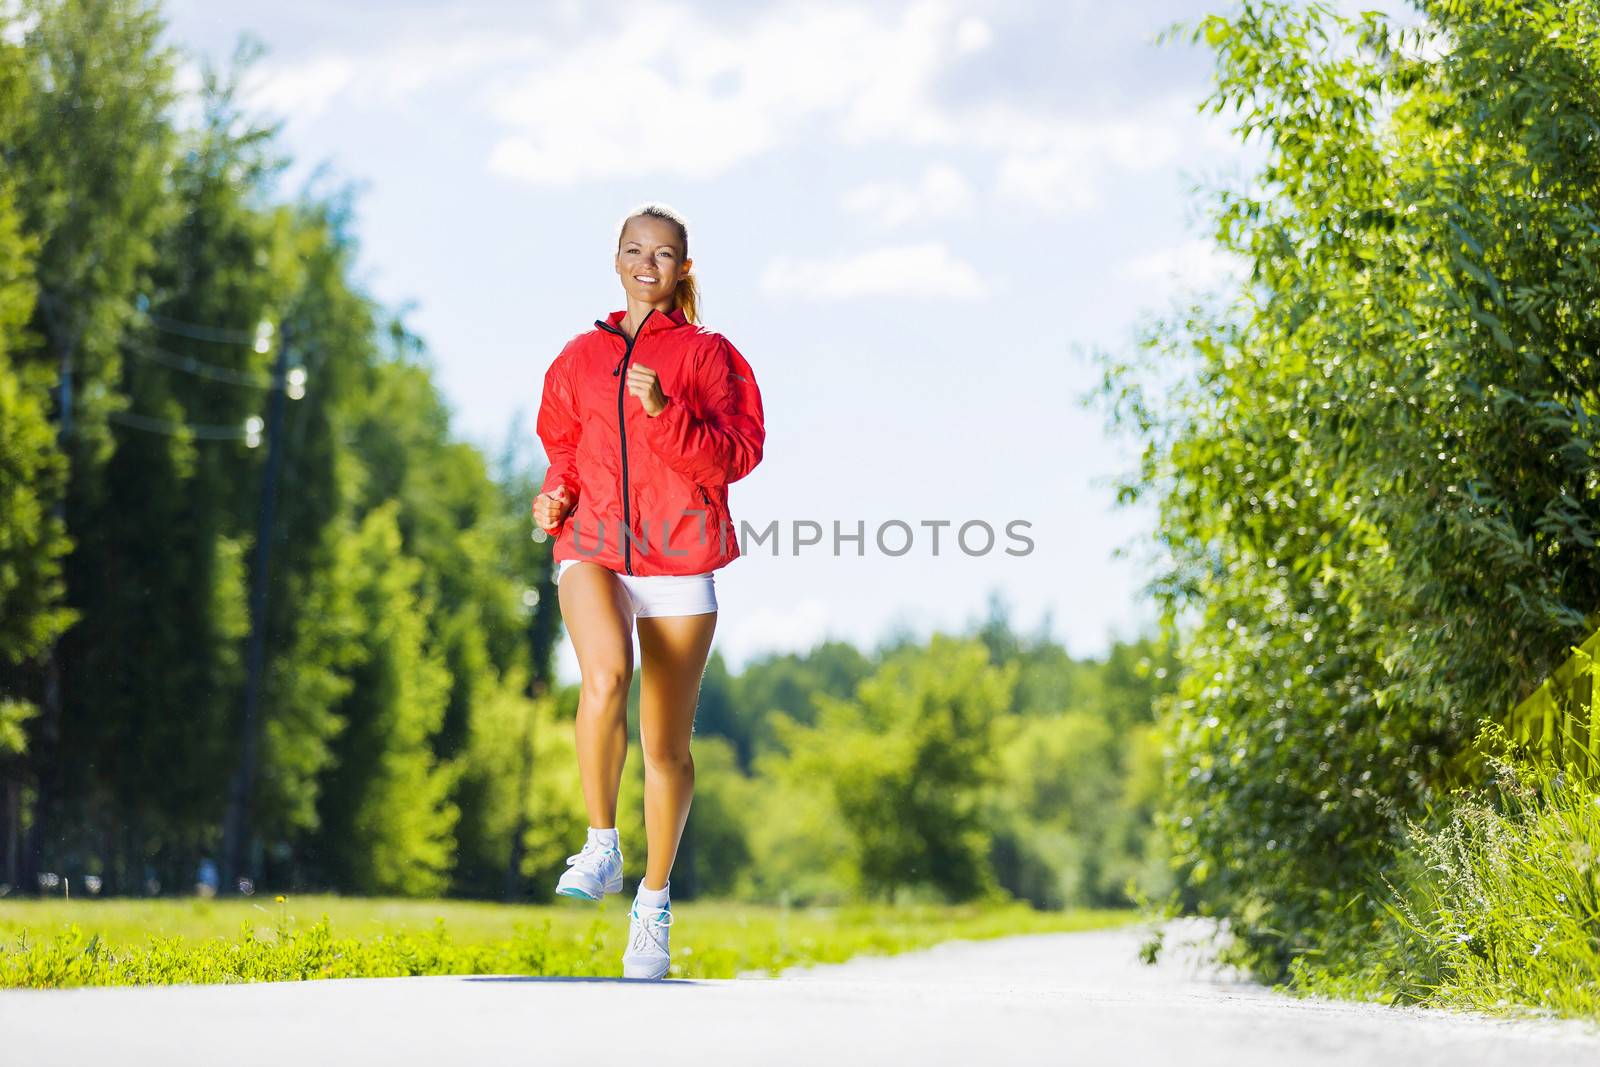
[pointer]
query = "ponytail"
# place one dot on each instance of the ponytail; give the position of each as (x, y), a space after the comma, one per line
(687, 296)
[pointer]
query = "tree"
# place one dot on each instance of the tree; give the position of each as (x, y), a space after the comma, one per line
(155, 251)
(1376, 481)
(386, 822)
(86, 153)
(32, 476)
(908, 761)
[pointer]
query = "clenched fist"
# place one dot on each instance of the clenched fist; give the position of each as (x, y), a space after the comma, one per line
(550, 509)
(644, 384)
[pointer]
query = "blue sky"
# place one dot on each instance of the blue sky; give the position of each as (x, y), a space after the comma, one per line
(912, 219)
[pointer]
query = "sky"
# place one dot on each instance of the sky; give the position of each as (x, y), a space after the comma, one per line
(915, 220)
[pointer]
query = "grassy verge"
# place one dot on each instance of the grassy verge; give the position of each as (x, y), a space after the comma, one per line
(54, 944)
(1495, 906)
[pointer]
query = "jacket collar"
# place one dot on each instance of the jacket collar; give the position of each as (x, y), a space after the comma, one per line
(655, 320)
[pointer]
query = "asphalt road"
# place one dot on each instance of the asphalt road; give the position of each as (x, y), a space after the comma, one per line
(1050, 998)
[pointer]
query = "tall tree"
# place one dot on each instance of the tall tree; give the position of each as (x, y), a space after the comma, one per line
(387, 824)
(88, 157)
(32, 476)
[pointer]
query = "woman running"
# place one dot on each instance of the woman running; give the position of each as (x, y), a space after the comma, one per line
(646, 419)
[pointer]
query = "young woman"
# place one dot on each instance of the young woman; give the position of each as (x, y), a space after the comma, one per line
(646, 419)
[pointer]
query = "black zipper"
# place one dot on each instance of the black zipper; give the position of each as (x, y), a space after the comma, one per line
(711, 509)
(622, 430)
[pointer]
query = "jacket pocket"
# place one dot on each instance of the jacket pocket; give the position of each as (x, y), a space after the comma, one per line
(715, 531)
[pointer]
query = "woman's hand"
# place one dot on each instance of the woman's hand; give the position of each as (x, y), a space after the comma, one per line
(643, 383)
(550, 509)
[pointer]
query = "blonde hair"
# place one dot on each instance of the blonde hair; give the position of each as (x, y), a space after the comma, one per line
(686, 294)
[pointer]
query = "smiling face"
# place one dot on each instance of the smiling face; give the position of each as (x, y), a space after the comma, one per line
(650, 259)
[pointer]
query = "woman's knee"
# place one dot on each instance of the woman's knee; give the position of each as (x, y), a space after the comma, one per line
(606, 684)
(667, 759)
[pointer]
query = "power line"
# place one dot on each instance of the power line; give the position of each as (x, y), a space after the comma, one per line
(198, 332)
(208, 431)
(157, 354)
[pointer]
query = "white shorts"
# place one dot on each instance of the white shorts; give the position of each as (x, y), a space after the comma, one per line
(663, 594)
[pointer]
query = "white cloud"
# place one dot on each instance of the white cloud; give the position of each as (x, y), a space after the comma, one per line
(941, 191)
(973, 34)
(924, 269)
(1059, 181)
(306, 88)
(302, 90)
(1060, 162)
(1195, 264)
(669, 91)
(697, 97)
(187, 80)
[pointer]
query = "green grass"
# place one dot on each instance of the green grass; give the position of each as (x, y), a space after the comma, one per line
(52, 943)
(1493, 906)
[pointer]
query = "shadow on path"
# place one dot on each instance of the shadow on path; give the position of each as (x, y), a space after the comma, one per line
(561, 979)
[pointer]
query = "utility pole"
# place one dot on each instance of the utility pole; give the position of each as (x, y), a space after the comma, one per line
(236, 826)
(61, 330)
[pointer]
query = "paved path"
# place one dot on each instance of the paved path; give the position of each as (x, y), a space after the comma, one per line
(1050, 998)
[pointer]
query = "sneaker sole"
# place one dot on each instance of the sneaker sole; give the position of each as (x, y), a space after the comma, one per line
(652, 970)
(576, 891)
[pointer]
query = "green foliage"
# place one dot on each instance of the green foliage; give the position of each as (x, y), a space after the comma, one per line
(741, 708)
(1376, 477)
(1556, 722)
(165, 529)
(519, 777)
(85, 147)
(907, 762)
(32, 471)
(13, 715)
(153, 249)
(315, 621)
(715, 846)
(307, 684)
(387, 824)
(1074, 819)
(801, 851)
(1505, 897)
(1494, 903)
(1055, 800)
(88, 150)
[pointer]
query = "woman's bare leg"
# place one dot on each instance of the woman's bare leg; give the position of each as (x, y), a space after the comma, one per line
(599, 619)
(674, 650)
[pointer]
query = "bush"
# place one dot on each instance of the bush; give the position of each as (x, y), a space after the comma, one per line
(1494, 903)
(1376, 473)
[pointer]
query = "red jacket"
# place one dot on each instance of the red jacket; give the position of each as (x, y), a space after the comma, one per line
(652, 493)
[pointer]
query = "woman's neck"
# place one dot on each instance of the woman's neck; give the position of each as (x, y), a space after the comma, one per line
(637, 310)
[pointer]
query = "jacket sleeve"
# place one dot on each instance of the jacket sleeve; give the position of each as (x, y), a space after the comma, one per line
(715, 434)
(558, 427)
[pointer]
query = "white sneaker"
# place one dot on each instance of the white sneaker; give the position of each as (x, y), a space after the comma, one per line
(592, 873)
(647, 954)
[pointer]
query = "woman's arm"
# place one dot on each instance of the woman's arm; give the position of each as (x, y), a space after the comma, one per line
(558, 427)
(726, 443)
